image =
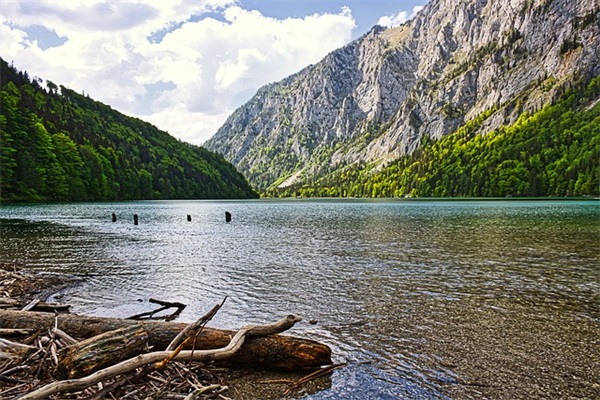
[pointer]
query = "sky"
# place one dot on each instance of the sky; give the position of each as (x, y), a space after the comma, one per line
(182, 65)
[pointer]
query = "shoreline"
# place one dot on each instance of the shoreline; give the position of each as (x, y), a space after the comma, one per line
(19, 287)
(496, 352)
(403, 199)
(19, 284)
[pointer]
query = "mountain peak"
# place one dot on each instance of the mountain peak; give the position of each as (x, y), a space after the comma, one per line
(376, 98)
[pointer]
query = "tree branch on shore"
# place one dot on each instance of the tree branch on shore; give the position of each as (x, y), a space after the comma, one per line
(144, 359)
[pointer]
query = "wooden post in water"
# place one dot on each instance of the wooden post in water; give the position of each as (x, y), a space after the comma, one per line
(135, 219)
(227, 216)
(114, 217)
(189, 218)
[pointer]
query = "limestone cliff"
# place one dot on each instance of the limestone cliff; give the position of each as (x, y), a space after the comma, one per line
(374, 99)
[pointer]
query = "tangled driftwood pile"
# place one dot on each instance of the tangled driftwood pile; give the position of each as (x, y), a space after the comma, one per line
(50, 355)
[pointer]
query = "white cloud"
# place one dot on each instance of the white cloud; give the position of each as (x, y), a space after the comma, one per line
(234, 71)
(390, 21)
(207, 66)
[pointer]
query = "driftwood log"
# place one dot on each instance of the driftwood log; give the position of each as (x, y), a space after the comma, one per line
(275, 352)
(13, 351)
(226, 352)
(34, 305)
(101, 351)
(165, 305)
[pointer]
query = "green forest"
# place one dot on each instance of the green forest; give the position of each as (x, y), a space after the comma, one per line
(57, 145)
(554, 152)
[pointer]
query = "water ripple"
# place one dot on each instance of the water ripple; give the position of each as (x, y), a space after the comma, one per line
(397, 289)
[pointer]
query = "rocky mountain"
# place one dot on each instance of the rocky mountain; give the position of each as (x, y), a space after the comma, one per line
(376, 98)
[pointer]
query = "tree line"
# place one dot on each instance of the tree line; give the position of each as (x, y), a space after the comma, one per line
(553, 152)
(58, 145)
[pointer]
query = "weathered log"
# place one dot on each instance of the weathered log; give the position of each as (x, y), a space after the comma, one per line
(100, 351)
(31, 305)
(35, 305)
(144, 359)
(51, 307)
(14, 351)
(15, 332)
(194, 327)
(7, 302)
(275, 352)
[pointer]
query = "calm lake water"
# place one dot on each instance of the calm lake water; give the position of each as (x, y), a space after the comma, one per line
(422, 299)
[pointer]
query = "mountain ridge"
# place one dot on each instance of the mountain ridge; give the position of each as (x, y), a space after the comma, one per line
(374, 100)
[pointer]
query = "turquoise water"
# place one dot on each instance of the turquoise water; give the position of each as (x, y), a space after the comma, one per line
(393, 285)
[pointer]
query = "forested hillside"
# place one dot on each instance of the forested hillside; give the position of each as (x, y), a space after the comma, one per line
(554, 152)
(57, 145)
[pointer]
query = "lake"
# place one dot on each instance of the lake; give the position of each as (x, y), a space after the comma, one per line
(422, 299)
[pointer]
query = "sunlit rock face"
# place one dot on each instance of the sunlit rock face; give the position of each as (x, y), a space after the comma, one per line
(374, 99)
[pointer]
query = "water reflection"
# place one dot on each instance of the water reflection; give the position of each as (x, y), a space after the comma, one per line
(423, 299)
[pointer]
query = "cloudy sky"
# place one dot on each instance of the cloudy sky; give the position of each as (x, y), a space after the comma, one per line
(183, 65)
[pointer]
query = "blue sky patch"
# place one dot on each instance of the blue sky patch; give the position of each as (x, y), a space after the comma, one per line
(45, 37)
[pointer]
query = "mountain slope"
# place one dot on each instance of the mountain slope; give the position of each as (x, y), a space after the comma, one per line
(554, 152)
(375, 99)
(58, 145)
